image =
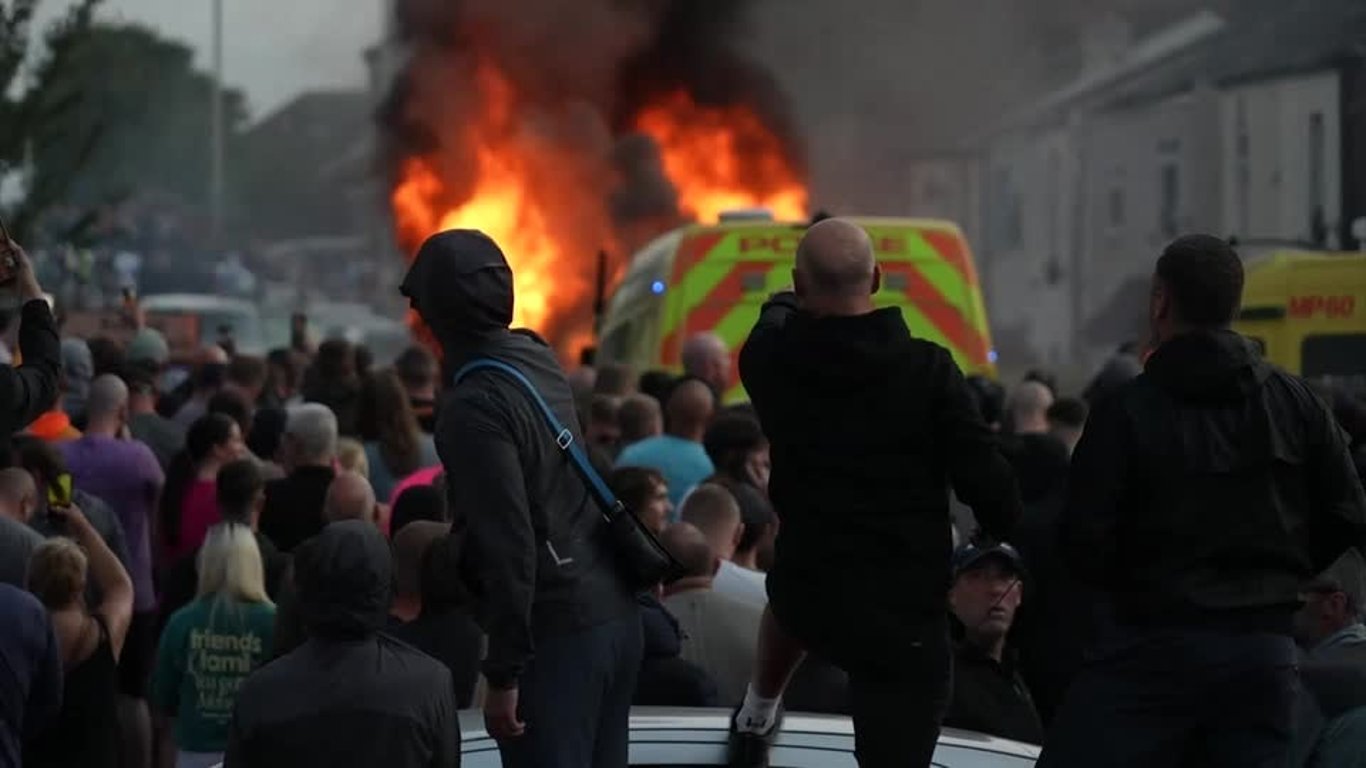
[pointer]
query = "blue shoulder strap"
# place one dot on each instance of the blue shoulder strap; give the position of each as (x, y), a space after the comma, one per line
(563, 437)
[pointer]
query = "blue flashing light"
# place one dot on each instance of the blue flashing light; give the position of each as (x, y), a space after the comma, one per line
(657, 287)
(992, 356)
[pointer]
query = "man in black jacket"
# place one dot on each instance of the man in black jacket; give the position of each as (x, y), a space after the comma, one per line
(1204, 495)
(30, 390)
(349, 695)
(564, 633)
(869, 427)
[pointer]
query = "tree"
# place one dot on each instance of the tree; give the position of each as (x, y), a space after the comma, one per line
(30, 105)
(149, 107)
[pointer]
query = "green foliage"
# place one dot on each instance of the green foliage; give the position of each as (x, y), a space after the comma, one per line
(110, 110)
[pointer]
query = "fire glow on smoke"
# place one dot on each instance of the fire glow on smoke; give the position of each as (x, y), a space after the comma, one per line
(542, 176)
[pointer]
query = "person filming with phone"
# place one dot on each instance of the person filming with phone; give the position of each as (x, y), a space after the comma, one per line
(26, 392)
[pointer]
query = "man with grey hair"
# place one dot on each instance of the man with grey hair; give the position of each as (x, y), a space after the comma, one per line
(706, 356)
(350, 497)
(295, 503)
(870, 428)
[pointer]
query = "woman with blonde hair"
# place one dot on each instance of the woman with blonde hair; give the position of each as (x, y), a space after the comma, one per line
(210, 646)
(86, 733)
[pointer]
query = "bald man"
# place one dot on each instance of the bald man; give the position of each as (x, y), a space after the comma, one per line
(713, 509)
(18, 499)
(678, 453)
(1027, 408)
(706, 357)
(869, 428)
(350, 497)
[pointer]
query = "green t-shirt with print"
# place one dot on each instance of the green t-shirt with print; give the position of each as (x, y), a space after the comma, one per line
(208, 649)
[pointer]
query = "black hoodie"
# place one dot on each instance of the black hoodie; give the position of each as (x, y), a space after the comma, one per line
(529, 531)
(868, 428)
(1210, 488)
(347, 696)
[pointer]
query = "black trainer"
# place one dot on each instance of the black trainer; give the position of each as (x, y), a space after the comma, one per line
(750, 750)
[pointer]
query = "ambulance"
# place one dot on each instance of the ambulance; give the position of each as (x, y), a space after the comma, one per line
(1307, 311)
(716, 277)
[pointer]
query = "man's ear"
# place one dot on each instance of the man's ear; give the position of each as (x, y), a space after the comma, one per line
(877, 279)
(739, 534)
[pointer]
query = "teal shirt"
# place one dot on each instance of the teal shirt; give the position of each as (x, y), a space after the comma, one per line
(208, 649)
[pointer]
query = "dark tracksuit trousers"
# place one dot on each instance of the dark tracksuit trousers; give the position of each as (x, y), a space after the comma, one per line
(1179, 697)
(575, 698)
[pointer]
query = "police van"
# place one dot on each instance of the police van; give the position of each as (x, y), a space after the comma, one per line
(714, 278)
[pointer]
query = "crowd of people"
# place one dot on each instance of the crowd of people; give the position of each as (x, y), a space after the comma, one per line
(299, 560)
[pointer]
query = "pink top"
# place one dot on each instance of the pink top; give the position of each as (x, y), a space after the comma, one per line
(421, 477)
(198, 513)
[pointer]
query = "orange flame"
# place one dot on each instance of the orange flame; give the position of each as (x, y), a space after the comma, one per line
(530, 196)
(722, 158)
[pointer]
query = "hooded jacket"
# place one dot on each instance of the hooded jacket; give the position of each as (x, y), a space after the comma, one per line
(532, 554)
(349, 695)
(868, 429)
(1209, 489)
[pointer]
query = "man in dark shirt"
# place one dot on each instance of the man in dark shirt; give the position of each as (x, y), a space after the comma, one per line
(564, 639)
(989, 695)
(1204, 494)
(349, 695)
(868, 430)
(294, 504)
(31, 666)
(30, 390)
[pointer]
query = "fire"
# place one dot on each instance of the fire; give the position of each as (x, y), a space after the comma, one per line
(545, 203)
(722, 158)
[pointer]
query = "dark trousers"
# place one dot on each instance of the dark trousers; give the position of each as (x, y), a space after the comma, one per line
(898, 708)
(575, 698)
(1179, 698)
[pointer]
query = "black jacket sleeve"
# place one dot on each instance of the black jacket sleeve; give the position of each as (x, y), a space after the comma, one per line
(445, 725)
(1337, 497)
(1097, 486)
(487, 492)
(29, 390)
(981, 476)
(756, 355)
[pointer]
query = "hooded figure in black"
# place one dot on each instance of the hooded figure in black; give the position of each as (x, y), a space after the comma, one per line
(868, 429)
(564, 636)
(349, 695)
(1204, 495)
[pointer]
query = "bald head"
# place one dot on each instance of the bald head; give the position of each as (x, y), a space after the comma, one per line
(18, 494)
(107, 407)
(690, 409)
(690, 548)
(835, 264)
(715, 512)
(707, 357)
(1028, 408)
(350, 497)
(213, 355)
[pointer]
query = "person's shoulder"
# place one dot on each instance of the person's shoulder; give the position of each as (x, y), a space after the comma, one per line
(20, 606)
(187, 616)
(410, 664)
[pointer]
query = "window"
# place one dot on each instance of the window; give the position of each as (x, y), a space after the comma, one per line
(1318, 173)
(1007, 226)
(1338, 357)
(1243, 164)
(1115, 207)
(1169, 211)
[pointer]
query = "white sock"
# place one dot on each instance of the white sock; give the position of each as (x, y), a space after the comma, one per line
(757, 714)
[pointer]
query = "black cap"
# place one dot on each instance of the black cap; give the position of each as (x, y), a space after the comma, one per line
(970, 556)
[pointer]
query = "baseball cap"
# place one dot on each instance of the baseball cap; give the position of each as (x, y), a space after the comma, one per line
(969, 556)
(149, 346)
